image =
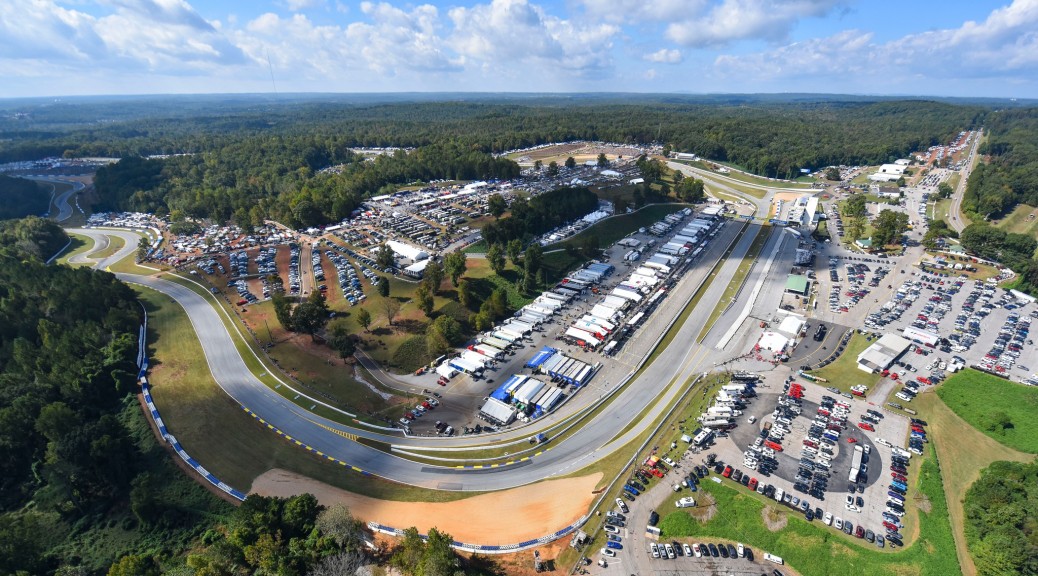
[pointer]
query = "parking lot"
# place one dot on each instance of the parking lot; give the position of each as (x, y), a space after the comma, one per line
(827, 489)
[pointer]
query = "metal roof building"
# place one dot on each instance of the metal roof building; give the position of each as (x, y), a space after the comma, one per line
(882, 353)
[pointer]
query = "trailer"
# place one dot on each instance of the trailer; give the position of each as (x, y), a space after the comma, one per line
(489, 351)
(556, 297)
(591, 327)
(465, 365)
(496, 342)
(507, 336)
(583, 336)
(636, 319)
(530, 319)
(536, 307)
(549, 401)
(600, 321)
(475, 357)
(519, 326)
(631, 295)
(717, 423)
(583, 376)
(737, 388)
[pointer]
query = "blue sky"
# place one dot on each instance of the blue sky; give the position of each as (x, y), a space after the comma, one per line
(914, 47)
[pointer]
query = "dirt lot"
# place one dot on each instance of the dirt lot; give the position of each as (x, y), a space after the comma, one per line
(505, 517)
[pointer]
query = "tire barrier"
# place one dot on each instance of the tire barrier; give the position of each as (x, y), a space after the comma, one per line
(153, 413)
(491, 548)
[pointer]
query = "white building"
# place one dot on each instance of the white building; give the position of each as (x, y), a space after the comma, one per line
(407, 251)
(882, 353)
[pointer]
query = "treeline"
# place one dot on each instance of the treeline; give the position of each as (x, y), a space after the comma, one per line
(1011, 175)
(540, 214)
(20, 197)
(68, 339)
(1014, 250)
(1001, 507)
(251, 179)
(32, 237)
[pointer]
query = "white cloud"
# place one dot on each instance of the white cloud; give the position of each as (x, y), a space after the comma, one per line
(664, 56)
(300, 5)
(511, 32)
(733, 20)
(1005, 45)
(624, 11)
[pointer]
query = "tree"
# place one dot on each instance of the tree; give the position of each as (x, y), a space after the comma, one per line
(553, 168)
(383, 286)
(390, 307)
(832, 173)
(496, 205)
(438, 558)
(282, 309)
(364, 318)
(855, 227)
(433, 276)
(442, 334)
(465, 293)
(339, 564)
(534, 257)
(143, 502)
(944, 190)
(455, 264)
(529, 279)
(496, 259)
(638, 197)
(570, 162)
(424, 299)
(855, 206)
(888, 227)
(311, 316)
(143, 246)
(133, 565)
(537, 165)
(602, 160)
(340, 339)
(385, 257)
(408, 554)
(691, 190)
(338, 523)
(515, 251)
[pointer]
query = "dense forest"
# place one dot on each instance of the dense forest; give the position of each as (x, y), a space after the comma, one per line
(1010, 176)
(1001, 509)
(20, 197)
(540, 214)
(254, 159)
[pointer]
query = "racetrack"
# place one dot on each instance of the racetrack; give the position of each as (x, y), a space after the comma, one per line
(595, 440)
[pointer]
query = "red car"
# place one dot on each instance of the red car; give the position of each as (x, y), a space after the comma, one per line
(727, 472)
(656, 472)
(852, 440)
(753, 484)
(899, 477)
(890, 526)
(866, 426)
(427, 406)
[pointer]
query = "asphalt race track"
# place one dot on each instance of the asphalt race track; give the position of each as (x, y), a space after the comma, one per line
(594, 441)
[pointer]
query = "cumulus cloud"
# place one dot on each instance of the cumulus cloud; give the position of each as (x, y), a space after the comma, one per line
(733, 20)
(1004, 45)
(515, 31)
(664, 56)
(300, 5)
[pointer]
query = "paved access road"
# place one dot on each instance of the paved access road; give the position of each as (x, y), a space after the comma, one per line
(955, 212)
(594, 441)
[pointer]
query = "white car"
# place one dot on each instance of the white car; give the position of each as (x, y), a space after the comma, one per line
(853, 508)
(828, 519)
(838, 523)
(688, 550)
(622, 505)
(608, 552)
(742, 551)
(697, 550)
(751, 419)
(669, 462)
(612, 529)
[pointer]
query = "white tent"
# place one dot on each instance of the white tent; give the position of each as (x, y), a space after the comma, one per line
(791, 325)
(773, 341)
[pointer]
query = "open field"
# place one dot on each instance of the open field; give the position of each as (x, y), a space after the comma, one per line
(737, 279)
(813, 548)
(1022, 220)
(218, 433)
(963, 451)
(844, 373)
(1002, 410)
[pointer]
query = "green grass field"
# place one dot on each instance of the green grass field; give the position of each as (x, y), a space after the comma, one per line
(197, 411)
(1022, 220)
(844, 373)
(812, 548)
(1003, 410)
